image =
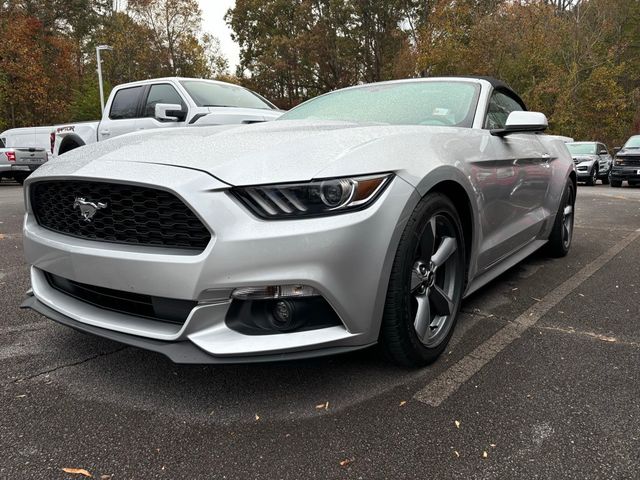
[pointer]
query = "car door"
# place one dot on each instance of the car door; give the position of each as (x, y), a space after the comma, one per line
(160, 93)
(513, 198)
(122, 113)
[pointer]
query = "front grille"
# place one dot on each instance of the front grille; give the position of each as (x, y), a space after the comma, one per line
(133, 215)
(634, 161)
(156, 308)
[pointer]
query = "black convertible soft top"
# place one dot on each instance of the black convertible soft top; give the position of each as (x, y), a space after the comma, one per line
(499, 85)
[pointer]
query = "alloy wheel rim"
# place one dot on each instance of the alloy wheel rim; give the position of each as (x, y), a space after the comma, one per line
(567, 221)
(435, 281)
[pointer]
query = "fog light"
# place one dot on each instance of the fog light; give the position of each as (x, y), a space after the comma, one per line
(274, 291)
(283, 313)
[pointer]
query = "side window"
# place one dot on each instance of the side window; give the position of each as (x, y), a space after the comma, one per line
(2, 143)
(161, 93)
(125, 103)
(500, 106)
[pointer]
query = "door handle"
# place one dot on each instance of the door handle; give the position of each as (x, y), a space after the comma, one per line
(105, 132)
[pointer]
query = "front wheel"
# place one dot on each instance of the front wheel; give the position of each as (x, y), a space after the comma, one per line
(426, 284)
(562, 232)
(593, 177)
(616, 183)
(605, 179)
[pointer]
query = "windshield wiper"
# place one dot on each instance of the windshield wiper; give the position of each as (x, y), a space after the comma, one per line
(229, 106)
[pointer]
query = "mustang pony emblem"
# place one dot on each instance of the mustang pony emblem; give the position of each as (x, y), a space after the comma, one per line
(88, 209)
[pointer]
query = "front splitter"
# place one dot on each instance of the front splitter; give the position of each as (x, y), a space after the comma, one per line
(183, 352)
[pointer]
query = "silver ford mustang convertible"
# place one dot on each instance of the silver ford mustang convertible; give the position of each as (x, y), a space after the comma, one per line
(365, 215)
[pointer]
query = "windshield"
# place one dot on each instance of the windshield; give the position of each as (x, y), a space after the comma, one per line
(633, 142)
(209, 94)
(406, 103)
(582, 148)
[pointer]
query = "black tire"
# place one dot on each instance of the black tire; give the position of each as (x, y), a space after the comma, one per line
(560, 238)
(398, 333)
(605, 179)
(633, 184)
(616, 183)
(593, 177)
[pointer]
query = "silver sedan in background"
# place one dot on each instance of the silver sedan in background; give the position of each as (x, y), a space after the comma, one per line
(362, 216)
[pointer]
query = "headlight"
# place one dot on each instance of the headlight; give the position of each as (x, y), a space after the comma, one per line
(321, 197)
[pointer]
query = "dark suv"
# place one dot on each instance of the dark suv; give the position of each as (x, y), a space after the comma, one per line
(626, 165)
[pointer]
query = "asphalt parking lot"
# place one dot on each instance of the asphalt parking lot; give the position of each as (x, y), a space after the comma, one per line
(542, 380)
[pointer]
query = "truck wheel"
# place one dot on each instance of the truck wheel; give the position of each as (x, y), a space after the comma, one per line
(616, 183)
(605, 179)
(593, 177)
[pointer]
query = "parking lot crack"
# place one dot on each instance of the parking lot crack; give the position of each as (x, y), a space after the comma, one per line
(63, 366)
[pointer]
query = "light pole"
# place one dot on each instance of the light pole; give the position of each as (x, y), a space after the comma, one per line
(98, 49)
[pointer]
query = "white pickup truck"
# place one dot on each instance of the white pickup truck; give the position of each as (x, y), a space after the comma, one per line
(165, 103)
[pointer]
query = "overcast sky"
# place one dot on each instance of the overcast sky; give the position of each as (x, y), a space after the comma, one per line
(213, 22)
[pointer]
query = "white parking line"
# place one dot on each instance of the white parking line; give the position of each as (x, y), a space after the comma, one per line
(439, 389)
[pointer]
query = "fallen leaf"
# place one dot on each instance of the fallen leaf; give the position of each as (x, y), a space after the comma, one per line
(257, 417)
(105, 477)
(77, 471)
(485, 454)
(403, 402)
(324, 406)
(581, 294)
(20, 396)
(456, 453)
(492, 445)
(345, 462)
(2, 237)
(457, 424)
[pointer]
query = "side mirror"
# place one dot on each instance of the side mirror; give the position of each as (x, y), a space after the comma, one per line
(603, 152)
(522, 122)
(616, 150)
(169, 112)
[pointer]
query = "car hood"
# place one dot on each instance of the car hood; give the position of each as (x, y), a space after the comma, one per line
(282, 151)
(629, 152)
(583, 158)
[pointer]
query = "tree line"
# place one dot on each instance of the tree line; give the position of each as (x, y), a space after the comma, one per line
(576, 60)
(48, 61)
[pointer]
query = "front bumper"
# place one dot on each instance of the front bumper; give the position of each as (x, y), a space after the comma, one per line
(626, 173)
(347, 258)
(583, 170)
(11, 169)
(184, 351)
